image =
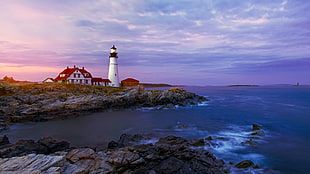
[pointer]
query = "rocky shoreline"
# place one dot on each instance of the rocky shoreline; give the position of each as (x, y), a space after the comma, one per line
(130, 154)
(168, 155)
(43, 102)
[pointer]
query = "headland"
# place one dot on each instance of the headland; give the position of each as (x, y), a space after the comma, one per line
(43, 102)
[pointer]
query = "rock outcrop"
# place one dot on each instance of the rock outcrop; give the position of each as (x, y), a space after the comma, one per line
(57, 101)
(169, 155)
(244, 164)
(45, 145)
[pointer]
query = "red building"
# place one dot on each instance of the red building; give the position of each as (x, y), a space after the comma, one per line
(129, 82)
(100, 82)
(77, 75)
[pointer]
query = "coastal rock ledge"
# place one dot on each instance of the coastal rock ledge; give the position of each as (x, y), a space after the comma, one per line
(168, 155)
(41, 102)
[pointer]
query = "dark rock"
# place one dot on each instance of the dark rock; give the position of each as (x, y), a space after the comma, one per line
(223, 138)
(22, 147)
(209, 138)
(169, 155)
(4, 140)
(250, 143)
(197, 142)
(170, 165)
(182, 126)
(244, 164)
(127, 139)
(45, 145)
(172, 140)
(113, 145)
(259, 133)
(256, 127)
(52, 145)
(17, 119)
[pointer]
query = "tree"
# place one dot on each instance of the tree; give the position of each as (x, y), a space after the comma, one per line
(8, 79)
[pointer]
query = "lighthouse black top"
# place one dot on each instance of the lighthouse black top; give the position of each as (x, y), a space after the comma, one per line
(113, 52)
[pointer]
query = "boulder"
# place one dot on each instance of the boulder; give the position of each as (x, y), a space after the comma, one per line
(45, 145)
(197, 142)
(53, 145)
(208, 138)
(244, 164)
(256, 127)
(113, 145)
(250, 143)
(127, 139)
(78, 154)
(124, 157)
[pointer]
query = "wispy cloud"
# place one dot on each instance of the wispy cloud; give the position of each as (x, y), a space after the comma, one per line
(210, 36)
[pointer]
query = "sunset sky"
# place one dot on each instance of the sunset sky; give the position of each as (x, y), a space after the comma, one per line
(191, 42)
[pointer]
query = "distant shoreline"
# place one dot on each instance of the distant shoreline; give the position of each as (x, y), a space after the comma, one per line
(242, 85)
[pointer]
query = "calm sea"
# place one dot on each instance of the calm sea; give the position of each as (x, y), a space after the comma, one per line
(282, 111)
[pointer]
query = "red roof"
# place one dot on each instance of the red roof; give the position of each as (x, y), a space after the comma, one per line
(100, 80)
(68, 71)
(130, 80)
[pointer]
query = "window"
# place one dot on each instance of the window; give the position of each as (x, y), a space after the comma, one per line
(78, 75)
(86, 81)
(72, 81)
(74, 75)
(62, 75)
(80, 80)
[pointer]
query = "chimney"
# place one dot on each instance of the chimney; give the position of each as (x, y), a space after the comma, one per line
(83, 67)
(74, 66)
(67, 67)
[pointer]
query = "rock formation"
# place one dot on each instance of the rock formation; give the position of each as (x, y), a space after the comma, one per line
(169, 155)
(57, 101)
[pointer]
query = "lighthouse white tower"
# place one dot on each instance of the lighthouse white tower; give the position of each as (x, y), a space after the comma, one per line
(113, 68)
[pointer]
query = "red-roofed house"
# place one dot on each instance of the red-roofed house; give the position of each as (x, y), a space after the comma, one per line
(129, 82)
(77, 75)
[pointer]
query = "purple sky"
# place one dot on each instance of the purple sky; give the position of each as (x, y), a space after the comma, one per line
(191, 42)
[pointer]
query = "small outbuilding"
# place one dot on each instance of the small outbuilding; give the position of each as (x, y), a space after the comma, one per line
(129, 82)
(100, 82)
(48, 80)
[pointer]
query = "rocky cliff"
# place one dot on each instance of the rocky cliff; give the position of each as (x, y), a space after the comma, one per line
(40, 102)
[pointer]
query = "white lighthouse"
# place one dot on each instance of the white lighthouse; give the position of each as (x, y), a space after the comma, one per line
(113, 68)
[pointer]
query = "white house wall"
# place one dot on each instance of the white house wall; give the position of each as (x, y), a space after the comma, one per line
(79, 78)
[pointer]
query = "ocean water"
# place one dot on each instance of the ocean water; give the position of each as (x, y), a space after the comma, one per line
(282, 111)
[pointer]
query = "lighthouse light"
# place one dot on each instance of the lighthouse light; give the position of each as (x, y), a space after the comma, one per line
(113, 50)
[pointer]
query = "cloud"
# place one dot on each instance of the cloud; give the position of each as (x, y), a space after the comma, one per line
(212, 36)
